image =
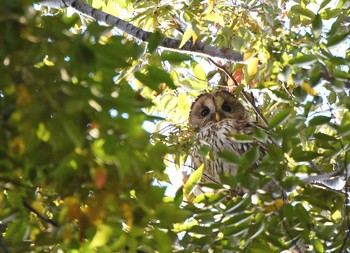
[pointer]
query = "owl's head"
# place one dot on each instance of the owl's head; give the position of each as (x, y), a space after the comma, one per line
(214, 107)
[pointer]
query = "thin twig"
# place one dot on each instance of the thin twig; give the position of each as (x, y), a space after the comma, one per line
(32, 209)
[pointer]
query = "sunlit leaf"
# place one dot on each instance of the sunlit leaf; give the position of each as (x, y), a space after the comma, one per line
(193, 180)
(186, 36)
(305, 86)
(305, 12)
(252, 66)
(280, 117)
(101, 237)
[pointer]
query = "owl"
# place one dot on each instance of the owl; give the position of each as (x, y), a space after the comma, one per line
(216, 118)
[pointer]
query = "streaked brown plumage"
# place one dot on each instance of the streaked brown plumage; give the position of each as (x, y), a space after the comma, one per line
(216, 117)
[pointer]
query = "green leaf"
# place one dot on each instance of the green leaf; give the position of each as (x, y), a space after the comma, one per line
(275, 152)
(318, 246)
(319, 120)
(153, 77)
(317, 26)
(174, 57)
(198, 71)
(301, 11)
(231, 157)
(324, 4)
(153, 41)
(251, 156)
(193, 180)
(101, 237)
(337, 39)
(242, 138)
(280, 117)
(160, 75)
(303, 60)
(300, 155)
(254, 231)
(325, 137)
(146, 80)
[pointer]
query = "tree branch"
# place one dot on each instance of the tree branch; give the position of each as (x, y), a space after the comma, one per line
(167, 43)
(42, 217)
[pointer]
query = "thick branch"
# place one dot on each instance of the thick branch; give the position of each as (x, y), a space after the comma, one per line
(167, 43)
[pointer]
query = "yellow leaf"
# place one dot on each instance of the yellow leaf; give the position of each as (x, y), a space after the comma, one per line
(253, 66)
(275, 206)
(43, 133)
(186, 37)
(101, 237)
(306, 87)
(246, 56)
(48, 62)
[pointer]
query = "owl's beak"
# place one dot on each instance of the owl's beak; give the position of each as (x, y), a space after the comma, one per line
(217, 116)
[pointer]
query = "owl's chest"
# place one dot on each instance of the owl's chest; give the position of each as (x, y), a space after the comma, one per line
(219, 136)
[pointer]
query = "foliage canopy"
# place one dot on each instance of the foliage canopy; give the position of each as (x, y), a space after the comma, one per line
(79, 171)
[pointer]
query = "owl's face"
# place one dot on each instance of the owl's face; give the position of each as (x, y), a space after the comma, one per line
(209, 108)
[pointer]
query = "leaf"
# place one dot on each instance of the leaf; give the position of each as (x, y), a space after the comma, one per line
(324, 4)
(306, 87)
(231, 157)
(301, 11)
(252, 67)
(198, 71)
(303, 60)
(254, 231)
(186, 36)
(193, 180)
(251, 156)
(280, 117)
(319, 120)
(325, 137)
(337, 39)
(101, 237)
(153, 77)
(317, 26)
(160, 76)
(174, 57)
(242, 138)
(275, 152)
(300, 155)
(43, 133)
(318, 245)
(153, 41)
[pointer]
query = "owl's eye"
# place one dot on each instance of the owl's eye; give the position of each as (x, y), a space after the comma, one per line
(226, 107)
(205, 112)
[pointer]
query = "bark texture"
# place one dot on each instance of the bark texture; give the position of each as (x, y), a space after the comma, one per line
(167, 43)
